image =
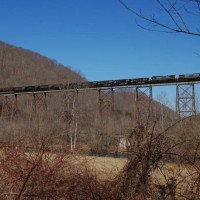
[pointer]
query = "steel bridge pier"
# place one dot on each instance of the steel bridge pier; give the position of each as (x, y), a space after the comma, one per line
(9, 106)
(185, 100)
(38, 104)
(143, 102)
(105, 101)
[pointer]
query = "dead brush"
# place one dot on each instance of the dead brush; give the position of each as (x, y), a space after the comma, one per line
(42, 175)
(134, 181)
(149, 152)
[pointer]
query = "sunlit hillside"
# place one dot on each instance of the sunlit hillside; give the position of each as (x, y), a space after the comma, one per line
(19, 66)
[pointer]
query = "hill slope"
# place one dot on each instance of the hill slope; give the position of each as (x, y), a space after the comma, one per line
(23, 67)
(66, 116)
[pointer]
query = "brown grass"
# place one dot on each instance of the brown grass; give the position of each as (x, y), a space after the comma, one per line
(41, 174)
(106, 168)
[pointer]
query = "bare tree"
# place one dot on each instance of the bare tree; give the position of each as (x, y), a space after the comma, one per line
(171, 16)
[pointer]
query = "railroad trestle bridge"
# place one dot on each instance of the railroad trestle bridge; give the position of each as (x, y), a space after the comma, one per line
(185, 94)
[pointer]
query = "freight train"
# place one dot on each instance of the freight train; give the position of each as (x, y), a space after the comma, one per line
(107, 83)
(143, 81)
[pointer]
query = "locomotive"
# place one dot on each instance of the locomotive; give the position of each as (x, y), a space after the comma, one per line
(160, 79)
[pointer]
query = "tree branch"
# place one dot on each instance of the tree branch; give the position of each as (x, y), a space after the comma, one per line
(178, 24)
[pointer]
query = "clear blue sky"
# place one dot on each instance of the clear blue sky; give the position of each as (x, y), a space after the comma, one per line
(99, 38)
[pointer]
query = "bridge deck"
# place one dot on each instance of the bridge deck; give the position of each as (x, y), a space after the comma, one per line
(87, 86)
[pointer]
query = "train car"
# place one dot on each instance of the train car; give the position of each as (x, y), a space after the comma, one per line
(84, 85)
(196, 75)
(73, 86)
(107, 83)
(29, 88)
(42, 87)
(6, 90)
(162, 79)
(138, 81)
(92, 84)
(18, 89)
(56, 87)
(185, 77)
(122, 82)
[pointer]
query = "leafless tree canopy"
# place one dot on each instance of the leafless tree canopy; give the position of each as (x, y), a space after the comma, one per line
(171, 16)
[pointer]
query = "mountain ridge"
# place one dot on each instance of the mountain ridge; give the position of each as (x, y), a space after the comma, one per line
(21, 67)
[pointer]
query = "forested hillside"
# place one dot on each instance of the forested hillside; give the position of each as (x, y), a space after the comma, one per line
(19, 66)
(77, 121)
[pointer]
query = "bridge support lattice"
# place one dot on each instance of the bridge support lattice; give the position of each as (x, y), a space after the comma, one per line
(9, 106)
(39, 104)
(105, 101)
(185, 100)
(143, 102)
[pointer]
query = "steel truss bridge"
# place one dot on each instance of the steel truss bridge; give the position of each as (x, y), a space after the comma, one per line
(185, 94)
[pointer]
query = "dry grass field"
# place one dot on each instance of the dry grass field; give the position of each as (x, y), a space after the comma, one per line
(104, 176)
(108, 168)
(103, 167)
